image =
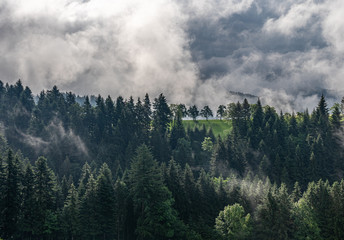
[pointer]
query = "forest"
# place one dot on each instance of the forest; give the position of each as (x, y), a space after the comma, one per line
(130, 169)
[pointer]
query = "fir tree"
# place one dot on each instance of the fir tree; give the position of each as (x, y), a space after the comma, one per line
(152, 200)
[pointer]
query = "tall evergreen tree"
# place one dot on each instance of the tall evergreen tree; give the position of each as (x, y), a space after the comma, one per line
(28, 205)
(275, 216)
(336, 117)
(2, 196)
(162, 114)
(45, 198)
(156, 219)
(11, 207)
(178, 130)
(71, 225)
(90, 228)
(106, 203)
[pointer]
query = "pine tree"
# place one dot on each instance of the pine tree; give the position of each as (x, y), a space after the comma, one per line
(147, 112)
(161, 115)
(305, 223)
(177, 131)
(337, 207)
(11, 207)
(233, 224)
(45, 197)
(275, 216)
(257, 124)
(182, 154)
(89, 225)
(173, 182)
(2, 196)
(121, 206)
(28, 206)
(336, 117)
(319, 199)
(152, 200)
(109, 117)
(71, 225)
(190, 192)
(106, 203)
(85, 175)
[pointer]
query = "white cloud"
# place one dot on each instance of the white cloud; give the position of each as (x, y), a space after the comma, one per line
(119, 47)
(297, 17)
(192, 51)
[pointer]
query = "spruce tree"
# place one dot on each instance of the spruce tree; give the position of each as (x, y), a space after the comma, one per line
(45, 197)
(178, 130)
(11, 197)
(28, 206)
(106, 203)
(2, 196)
(336, 117)
(152, 200)
(89, 227)
(70, 213)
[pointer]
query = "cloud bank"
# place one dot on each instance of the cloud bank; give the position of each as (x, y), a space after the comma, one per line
(286, 52)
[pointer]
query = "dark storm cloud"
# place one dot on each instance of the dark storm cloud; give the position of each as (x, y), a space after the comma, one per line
(286, 52)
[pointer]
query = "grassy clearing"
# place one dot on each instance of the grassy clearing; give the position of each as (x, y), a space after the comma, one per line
(219, 127)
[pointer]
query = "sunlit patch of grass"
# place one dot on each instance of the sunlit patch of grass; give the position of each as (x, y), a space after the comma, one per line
(219, 127)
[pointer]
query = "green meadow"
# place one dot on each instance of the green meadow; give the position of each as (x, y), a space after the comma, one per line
(219, 127)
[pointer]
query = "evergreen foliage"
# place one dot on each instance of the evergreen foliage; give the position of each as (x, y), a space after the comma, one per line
(118, 170)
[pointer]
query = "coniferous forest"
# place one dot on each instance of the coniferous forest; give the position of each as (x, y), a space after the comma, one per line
(129, 169)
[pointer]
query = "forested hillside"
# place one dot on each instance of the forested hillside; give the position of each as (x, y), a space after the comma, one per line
(130, 169)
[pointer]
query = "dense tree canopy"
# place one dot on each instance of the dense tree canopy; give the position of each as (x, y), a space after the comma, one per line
(90, 167)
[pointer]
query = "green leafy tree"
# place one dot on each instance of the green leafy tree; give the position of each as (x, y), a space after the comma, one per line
(305, 223)
(207, 145)
(206, 112)
(193, 112)
(221, 111)
(232, 223)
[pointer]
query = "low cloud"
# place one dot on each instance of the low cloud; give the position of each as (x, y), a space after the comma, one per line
(56, 140)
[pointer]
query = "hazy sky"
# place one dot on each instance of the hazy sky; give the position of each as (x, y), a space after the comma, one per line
(194, 51)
